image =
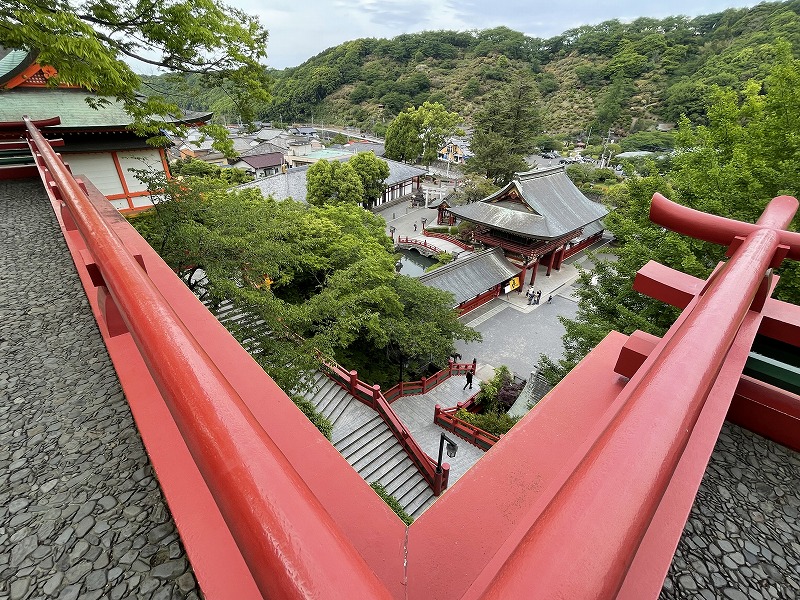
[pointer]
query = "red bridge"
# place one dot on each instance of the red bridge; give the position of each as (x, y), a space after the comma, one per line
(586, 497)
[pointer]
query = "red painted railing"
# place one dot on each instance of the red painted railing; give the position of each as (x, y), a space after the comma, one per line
(448, 238)
(447, 419)
(371, 396)
(419, 244)
(291, 544)
(426, 384)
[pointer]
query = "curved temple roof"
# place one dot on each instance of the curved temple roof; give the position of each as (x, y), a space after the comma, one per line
(542, 204)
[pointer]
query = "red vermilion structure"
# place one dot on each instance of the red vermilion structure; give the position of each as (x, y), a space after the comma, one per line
(585, 498)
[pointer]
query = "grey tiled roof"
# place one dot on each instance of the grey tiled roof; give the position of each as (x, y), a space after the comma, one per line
(468, 277)
(553, 206)
(293, 183)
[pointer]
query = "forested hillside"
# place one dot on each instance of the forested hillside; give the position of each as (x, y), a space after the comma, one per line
(625, 76)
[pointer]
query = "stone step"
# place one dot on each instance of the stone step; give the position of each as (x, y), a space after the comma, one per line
(356, 436)
(384, 467)
(401, 478)
(375, 452)
(412, 504)
(408, 491)
(424, 505)
(374, 439)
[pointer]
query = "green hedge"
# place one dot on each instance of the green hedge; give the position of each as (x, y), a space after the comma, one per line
(392, 502)
(317, 419)
(494, 423)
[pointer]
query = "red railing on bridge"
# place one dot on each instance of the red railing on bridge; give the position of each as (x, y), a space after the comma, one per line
(418, 243)
(448, 238)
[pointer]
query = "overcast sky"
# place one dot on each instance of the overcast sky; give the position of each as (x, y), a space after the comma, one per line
(301, 29)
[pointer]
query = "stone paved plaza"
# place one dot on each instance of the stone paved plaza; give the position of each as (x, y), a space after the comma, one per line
(81, 512)
(742, 540)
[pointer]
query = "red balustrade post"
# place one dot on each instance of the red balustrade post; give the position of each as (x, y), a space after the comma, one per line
(450, 367)
(353, 382)
(376, 394)
(424, 385)
(474, 366)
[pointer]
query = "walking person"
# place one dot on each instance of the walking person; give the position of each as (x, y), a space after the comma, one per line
(550, 299)
(529, 295)
(469, 380)
(415, 225)
(538, 296)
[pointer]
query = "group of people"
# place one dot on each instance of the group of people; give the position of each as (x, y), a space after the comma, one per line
(535, 297)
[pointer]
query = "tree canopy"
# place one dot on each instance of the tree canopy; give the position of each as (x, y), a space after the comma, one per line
(88, 42)
(746, 154)
(317, 278)
(331, 182)
(420, 132)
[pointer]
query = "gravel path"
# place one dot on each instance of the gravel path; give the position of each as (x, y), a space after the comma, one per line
(81, 512)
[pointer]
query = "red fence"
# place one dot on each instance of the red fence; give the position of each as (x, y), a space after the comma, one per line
(447, 419)
(419, 244)
(426, 384)
(448, 238)
(371, 396)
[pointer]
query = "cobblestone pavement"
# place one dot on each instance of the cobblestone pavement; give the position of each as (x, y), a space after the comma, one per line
(742, 540)
(81, 512)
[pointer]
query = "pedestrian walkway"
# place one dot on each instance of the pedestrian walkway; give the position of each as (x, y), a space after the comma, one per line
(416, 412)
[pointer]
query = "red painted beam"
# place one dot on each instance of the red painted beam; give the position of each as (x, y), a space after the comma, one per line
(291, 544)
(582, 544)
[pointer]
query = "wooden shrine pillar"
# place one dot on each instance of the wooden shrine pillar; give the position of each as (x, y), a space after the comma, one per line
(550, 263)
(560, 257)
(533, 270)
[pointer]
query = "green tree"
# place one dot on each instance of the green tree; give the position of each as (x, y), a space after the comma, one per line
(745, 155)
(88, 41)
(402, 137)
(420, 132)
(333, 182)
(373, 173)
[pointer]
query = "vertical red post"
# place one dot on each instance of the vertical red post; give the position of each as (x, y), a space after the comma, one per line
(376, 393)
(550, 263)
(449, 367)
(533, 270)
(474, 365)
(424, 385)
(353, 382)
(560, 257)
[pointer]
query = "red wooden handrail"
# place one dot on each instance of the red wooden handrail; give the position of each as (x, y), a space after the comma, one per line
(610, 507)
(289, 541)
(372, 396)
(448, 238)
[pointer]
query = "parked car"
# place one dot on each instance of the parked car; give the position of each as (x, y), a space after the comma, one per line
(550, 155)
(568, 161)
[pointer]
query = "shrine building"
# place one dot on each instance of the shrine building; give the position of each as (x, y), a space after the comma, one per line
(539, 218)
(96, 134)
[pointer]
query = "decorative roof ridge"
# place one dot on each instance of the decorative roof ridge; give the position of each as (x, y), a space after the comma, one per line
(535, 173)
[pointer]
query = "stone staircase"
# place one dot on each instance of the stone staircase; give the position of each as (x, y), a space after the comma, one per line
(359, 433)
(535, 389)
(367, 443)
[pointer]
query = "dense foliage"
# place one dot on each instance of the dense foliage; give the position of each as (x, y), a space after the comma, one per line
(192, 167)
(496, 397)
(316, 277)
(627, 76)
(747, 153)
(89, 41)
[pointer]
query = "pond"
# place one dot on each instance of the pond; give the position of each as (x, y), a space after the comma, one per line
(413, 264)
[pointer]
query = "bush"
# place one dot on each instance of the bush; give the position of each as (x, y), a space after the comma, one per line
(494, 423)
(317, 418)
(392, 502)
